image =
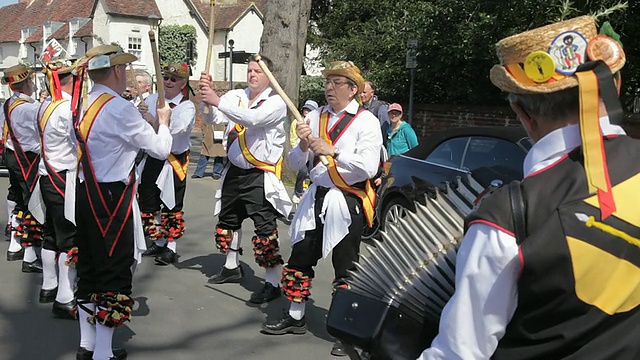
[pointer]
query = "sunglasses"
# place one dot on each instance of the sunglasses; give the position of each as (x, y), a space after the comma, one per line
(167, 78)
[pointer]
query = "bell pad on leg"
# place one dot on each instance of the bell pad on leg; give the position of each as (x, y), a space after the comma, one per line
(296, 285)
(266, 250)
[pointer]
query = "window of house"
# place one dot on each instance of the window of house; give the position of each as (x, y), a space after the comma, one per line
(134, 46)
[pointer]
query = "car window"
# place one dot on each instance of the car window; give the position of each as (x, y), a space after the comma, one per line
(494, 157)
(449, 153)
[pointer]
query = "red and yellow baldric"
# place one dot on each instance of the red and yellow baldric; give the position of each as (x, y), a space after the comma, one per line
(262, 165)
(14, 104)
(179, 168)
(366, 195)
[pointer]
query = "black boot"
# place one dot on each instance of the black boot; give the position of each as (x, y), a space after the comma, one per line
(286, 325)
(84, 354)
(64, 311)
(227, 276)
(32, 267)
(153, 250)
(15, 255)
(338, 349)
(47, 296)
(268, 293)
(166, 257)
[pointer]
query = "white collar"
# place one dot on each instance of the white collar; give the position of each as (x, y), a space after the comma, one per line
(351, 108)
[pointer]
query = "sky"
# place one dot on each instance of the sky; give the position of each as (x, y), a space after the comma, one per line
(7, 2)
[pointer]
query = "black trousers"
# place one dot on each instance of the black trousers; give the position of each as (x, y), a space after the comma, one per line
(97, 271)
(243, 197)
(306, 253)
(59, 233)
(19, 191)
(148, 192)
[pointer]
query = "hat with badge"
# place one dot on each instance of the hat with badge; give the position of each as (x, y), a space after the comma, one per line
(347, 69)
(55, 70)
(178, 70)
(567, 55)
(106, 56)
(16, 74)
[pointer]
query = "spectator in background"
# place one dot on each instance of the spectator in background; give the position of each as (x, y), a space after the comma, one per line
(210, 148)
(400, 136)
(43, 95)
(144, 84)
(298, 190)
(377, 107)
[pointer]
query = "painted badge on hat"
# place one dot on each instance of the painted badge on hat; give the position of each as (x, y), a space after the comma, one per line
(606, 49)
(568, 49)
(539, 66)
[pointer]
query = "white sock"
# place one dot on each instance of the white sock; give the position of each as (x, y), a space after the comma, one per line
(30, 254)
(272, 275)
(14, 245)
(172, 245)
(104, 339)
(232, 256)
(67, 280)
(160, 242)
(87, 331)
(10, 206)
(296, 310)
(49, 275)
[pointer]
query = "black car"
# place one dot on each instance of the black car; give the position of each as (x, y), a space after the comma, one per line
(488, 153)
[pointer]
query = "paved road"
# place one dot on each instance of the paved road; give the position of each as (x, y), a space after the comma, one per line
(177, 314)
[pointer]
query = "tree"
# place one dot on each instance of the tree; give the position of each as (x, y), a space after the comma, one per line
(283, 41)
(173, 43)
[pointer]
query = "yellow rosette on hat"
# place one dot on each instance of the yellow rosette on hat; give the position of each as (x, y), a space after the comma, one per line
(561, 56)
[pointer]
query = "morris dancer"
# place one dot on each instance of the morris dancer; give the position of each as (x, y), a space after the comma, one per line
(22, 154)
(332, 212)
(164, 182)
(251, 185)
(110, 133)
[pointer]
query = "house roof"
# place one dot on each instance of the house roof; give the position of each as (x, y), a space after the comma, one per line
(86, 30)
(61, 33)
(14, 17)
(227, 15)
(137, 8)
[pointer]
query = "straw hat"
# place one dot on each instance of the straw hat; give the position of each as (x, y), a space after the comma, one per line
(347, 69)
(178, 70)
(552, 42)
(106, 56)
(16, 74)
(61, 66)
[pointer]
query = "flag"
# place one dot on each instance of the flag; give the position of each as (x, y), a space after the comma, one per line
(52, 50)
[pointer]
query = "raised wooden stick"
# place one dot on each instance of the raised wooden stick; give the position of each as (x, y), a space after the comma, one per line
(156, 64)
(212, 22)
(283, 95)
(135, 81)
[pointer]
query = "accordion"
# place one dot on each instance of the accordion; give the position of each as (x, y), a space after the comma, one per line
(397, 293)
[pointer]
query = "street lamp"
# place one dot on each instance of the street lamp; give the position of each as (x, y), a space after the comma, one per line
(231, 42)
(154, 21)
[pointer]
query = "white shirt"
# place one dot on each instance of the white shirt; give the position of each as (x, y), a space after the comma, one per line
(359, 145)
(264, 125)
(183, 118)
(59, 145)
(487, 269)
(118, 132)
(24, 122)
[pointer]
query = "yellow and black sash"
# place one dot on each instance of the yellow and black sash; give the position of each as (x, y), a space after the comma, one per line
(28, 163)
(58, 181)
(366, 194)
(180, 168)
(102, 212)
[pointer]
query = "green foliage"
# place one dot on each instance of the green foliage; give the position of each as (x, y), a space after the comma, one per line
(172, 43)
(456, 41)
(311, 88)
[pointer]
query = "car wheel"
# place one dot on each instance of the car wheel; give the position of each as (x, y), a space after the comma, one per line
(395, 210)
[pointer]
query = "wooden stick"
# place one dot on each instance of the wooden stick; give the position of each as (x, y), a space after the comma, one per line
(212, 22)
(283, 95)
(156, 64)
(135, 82)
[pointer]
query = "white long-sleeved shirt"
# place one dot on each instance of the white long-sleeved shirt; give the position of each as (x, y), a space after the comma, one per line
(59, 145)
(117, 134)
(487, 269)
(183, 118)
(24, 123)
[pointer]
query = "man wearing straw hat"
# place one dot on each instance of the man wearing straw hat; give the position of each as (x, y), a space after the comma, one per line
(22, 153)
(251, 184)
(163, 183)
(58, 166)
(333, 211)
(555, 275)
(110, 133)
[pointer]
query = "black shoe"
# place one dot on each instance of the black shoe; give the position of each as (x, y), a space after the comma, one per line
(64, 311)
(194, 176)
(286, 325)
(47, 296)
(268, 293)
(32, 267)
(154, 250)
(227, 276)
(15, 255)
(84, 354)
(338, 349)
(166, 257)
(216, 177)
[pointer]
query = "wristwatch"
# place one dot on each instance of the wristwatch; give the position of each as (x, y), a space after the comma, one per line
(336, 152)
